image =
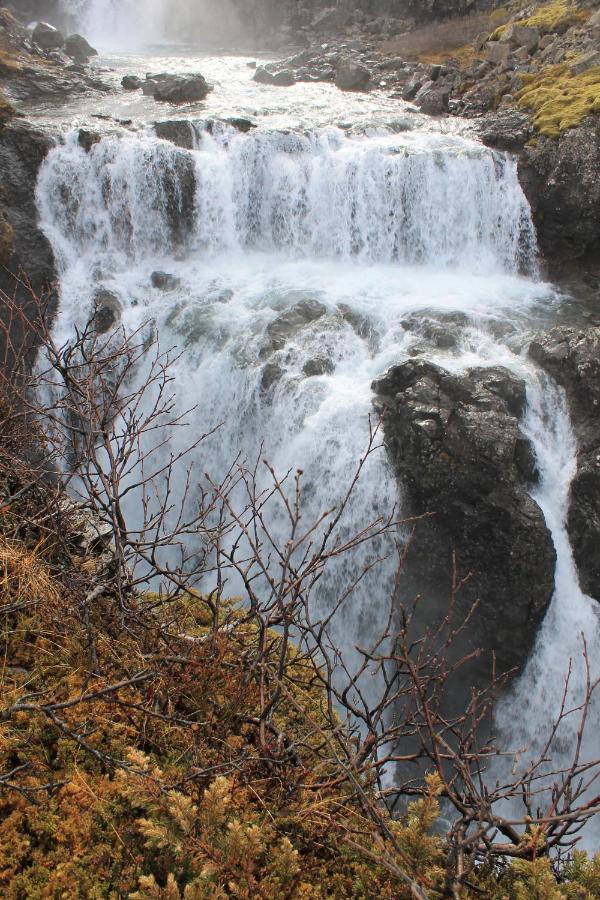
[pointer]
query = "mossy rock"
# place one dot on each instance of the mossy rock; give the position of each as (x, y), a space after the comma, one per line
(552, 17)
(561, 100)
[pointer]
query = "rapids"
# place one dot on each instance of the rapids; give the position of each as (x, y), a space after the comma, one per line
(374, 221)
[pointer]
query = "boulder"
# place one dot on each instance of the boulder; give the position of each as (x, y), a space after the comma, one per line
(283, 79)
(352, 76)
(497, 52)
(410, 90)
(262, 76)
(76, 47)
(521, 36)
(433, 100)
(585, 61)
(572, 358)
(48, 37)
(179, 132)
(455, 445)
(131, 83)
(181, 89)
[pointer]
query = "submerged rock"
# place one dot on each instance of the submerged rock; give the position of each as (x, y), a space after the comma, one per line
(319, 365)
(572, 358)
(291, 322)
(455, 444)
(107, 311)
(163, 281)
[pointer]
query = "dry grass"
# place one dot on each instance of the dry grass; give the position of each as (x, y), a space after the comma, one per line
(437, 41)
(24, 576)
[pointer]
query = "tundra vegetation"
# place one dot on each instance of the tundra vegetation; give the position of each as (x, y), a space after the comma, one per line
(161, 739)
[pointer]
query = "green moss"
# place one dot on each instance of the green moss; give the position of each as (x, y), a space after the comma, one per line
(561, 100)
(549, 18)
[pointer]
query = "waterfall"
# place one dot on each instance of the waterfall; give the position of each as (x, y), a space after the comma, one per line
(377, 200)
(369, 228)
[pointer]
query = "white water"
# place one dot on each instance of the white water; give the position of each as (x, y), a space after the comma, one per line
(384, 225)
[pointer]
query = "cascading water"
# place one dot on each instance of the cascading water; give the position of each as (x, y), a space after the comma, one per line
(369, 229)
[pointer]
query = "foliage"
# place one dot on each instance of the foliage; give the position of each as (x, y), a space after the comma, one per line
(561, 100)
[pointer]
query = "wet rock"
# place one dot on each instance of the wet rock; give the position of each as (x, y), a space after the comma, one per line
(163, 281)
(47, 36)
(352, 76)
(86, 139)
(319, 365)
(572, 358)
(240, 124)
(262, 76)
(271, 374)
(107, 311)
(359, 324)
(291, 322)
(410, 90)
(283, 79)
(179, 132)
(131, 83)
(455, 444)
(76, 47)
(561, 179)
(181, 89)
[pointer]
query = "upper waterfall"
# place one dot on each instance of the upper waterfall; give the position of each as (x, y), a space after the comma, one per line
(379, 199)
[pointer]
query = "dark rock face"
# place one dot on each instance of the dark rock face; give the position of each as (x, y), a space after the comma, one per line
(24, 250)
(107, 311)
(455, 444)
(572, 358)
(561, 179)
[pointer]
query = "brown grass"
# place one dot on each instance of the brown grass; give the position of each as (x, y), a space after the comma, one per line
(24, 575)
(442, 40)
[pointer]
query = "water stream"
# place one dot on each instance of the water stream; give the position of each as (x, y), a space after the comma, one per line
(372, 223)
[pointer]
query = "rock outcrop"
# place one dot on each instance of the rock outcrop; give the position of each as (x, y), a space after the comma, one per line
(561, 178)
(455, 444)
(572, 357)
(26, 258)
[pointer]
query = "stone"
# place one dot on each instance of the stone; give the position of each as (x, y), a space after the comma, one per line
(240, 124)
(320, 365)
(411, 89)
(481, 40)
(182, 89)
(178, 131)
(521, 36)
(107, 311)
(76, 47)
(262, 76)
(163, 281)
(86, 139)
(585, 61)
(131, 83)
(521, 55)
(48, 37)
(545, 41)
(352, 76)
(433, 100)
(456, 447)
(571, 357)
(271, 374)
(497, 52)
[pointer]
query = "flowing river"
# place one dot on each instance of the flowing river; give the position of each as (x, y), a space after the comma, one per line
(372, 214)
